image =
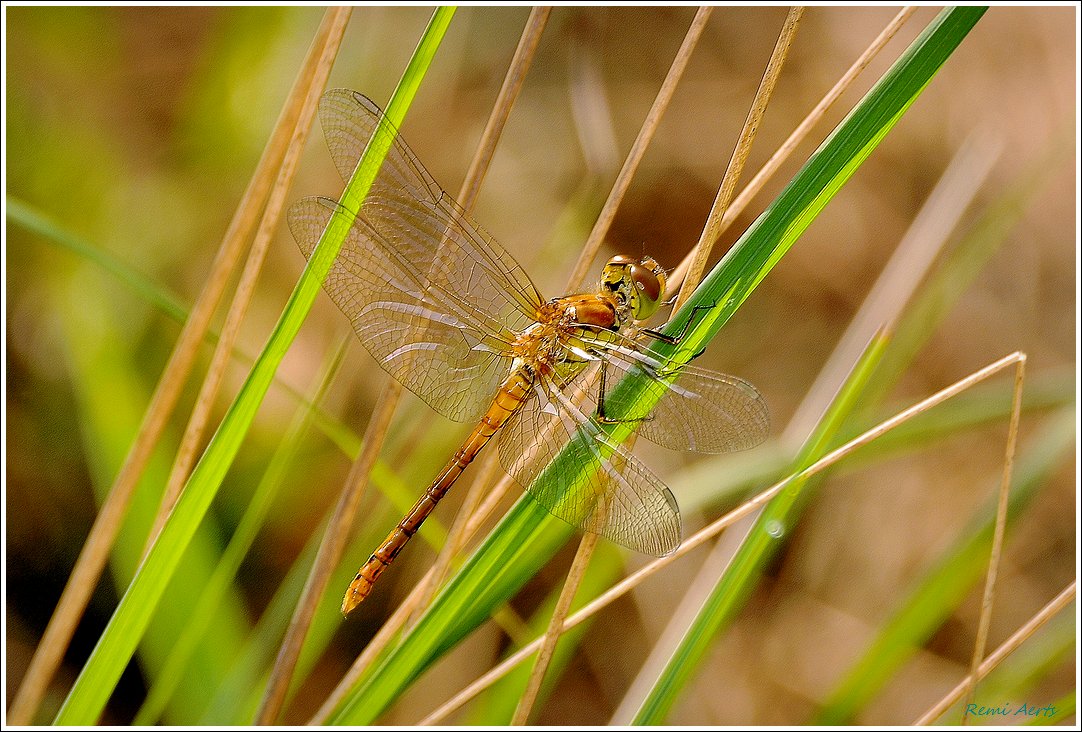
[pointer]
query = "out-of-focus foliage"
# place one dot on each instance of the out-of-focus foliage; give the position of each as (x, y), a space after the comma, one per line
(137, 128)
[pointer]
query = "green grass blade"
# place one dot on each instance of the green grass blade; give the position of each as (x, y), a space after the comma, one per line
(944, 586)
(762, 540)
(206, 608)
(98, 678)
(527, 537)
(31, 219)
(98, 352)
(38, 222)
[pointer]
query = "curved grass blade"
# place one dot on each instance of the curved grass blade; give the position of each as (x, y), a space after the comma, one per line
(117, 644)
(36, 221)
(31, 219)
(528, 535)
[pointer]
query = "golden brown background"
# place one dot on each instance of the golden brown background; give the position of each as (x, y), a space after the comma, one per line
(137, 128)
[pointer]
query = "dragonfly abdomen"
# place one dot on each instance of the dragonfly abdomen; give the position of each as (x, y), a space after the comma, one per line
(508, 400)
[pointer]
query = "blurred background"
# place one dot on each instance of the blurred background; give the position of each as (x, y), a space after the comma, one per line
(136, 130)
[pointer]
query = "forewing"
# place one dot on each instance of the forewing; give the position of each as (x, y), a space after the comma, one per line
(621, 500)
(416, 216)
(699, 410)
(438, 342)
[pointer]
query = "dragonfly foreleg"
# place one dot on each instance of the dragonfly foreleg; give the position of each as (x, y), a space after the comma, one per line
(601, 416)
(674, 340)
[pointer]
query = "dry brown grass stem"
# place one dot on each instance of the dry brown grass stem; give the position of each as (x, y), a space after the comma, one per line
(996, 554)
(88, 568)
(208, 392)
(337, 531)
(713, 228)
(638, 149)
(555, 628)
(997, 657)
(486, 148)
(786, 149)
(505, 100)
(710, 531)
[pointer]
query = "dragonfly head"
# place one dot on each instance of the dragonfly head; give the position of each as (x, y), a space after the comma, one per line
(637, 284)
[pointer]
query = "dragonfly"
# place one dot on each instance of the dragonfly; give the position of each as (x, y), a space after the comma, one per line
(444, 309)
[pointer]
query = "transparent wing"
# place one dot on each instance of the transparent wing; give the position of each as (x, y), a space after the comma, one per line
(441, 340)
(699, 410)
(416, 216)
(622, 500)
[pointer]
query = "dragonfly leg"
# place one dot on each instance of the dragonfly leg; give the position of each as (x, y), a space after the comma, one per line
(601, 416)
(673, 340)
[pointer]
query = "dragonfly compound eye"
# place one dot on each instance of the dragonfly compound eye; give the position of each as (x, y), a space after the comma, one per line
(647, 280)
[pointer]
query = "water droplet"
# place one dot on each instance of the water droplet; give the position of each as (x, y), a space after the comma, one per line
(775, 528)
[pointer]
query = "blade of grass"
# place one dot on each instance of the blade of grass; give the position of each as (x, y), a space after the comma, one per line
(98, 678)
(251, 522)
(88, 567)
(527, 536)
(33, 220)
(335, 22)
(917, 324)
(712, 230)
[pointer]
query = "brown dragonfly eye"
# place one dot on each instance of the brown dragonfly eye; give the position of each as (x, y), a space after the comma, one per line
(648, 280)
(640, 284)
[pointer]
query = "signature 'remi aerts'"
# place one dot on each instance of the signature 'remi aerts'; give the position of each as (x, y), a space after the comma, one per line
(445, 310)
